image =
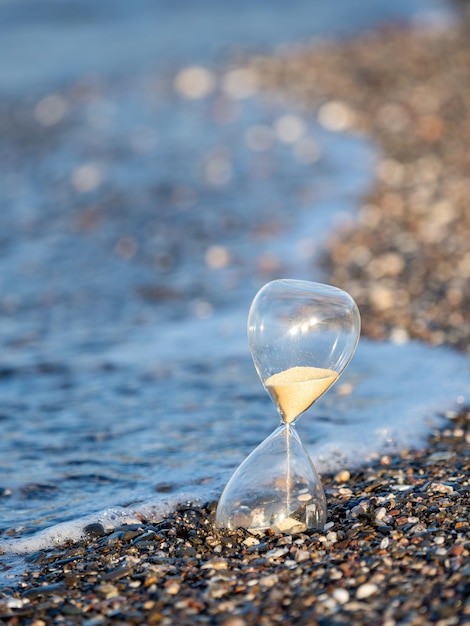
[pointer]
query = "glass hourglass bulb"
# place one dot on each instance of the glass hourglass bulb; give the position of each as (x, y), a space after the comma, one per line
(302, 335)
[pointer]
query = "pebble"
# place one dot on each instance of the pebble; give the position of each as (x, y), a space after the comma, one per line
(290, 524)
(13, 603)
(272, 573)
(250, 541)
(234, 621)
(216, 564)
(269, 581)
(276, 553)
(380, 513)
(342, 477)
(360, 509)
(366, 590)
(442, 488)
(173, 588)
(95, 530)
(302, 555)
(341, 595)
(108, 590)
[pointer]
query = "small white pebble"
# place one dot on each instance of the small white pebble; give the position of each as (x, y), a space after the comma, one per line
(366, 590)
(341, 595)
(302, 555)
(216, 564)
(287, 541)
(108, 590)
(250, 541)
(441, 456)
(328, 603)
(276, 553)
(327, 526)
(336, 574)
(439, 540)
(380, 513)
(384, 543)
(14, 603)
(290, 524)
(442, 488)
(332, 537)
(417, 528)
(269, 581)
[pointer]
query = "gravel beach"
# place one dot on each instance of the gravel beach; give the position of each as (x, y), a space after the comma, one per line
(397, 544)
(395, 551)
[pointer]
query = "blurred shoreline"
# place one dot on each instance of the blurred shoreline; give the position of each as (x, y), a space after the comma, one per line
(406, 258)
(47, 44)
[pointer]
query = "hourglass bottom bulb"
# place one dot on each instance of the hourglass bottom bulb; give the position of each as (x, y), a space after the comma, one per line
(275, 488)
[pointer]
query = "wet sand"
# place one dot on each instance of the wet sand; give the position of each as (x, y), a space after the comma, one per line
(396, 547)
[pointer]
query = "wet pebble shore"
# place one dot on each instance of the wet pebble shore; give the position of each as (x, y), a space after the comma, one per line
(395, 551)
(397, 544)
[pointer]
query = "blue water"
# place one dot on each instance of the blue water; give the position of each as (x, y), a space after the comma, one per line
(137, 225)
(43, 41)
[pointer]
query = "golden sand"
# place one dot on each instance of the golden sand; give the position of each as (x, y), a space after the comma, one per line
(297, 388)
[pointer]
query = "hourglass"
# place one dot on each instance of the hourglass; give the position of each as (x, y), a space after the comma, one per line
(302, 335)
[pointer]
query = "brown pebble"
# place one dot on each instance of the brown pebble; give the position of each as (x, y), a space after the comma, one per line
(234, 621)
(342, 477)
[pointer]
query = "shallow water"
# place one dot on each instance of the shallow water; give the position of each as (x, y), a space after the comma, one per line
(136, 229)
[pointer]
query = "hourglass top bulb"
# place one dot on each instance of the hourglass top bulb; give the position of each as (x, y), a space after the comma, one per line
(302, 335)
